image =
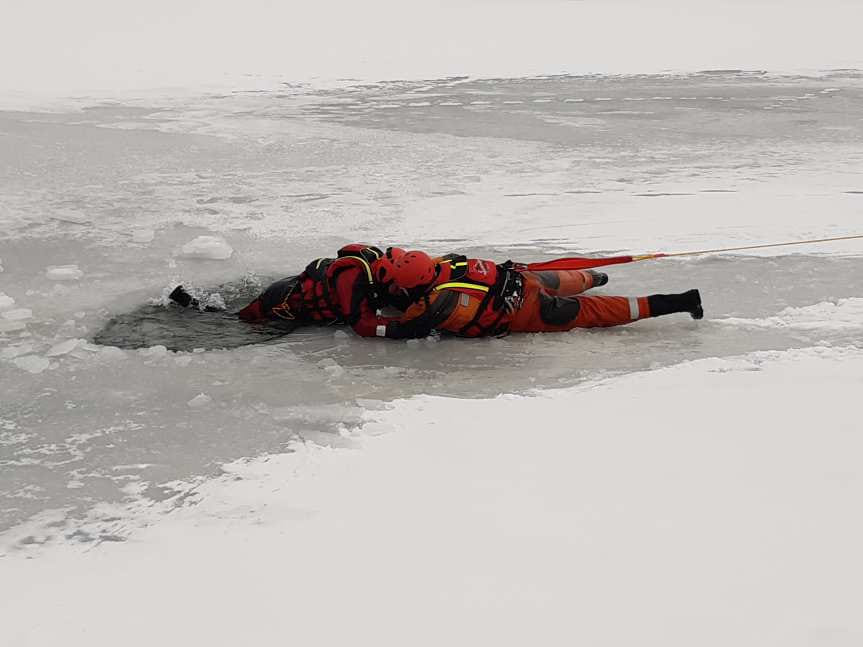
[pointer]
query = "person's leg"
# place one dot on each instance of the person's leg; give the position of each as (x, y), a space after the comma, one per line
(271, 302)
(567, 283)
(542, 312)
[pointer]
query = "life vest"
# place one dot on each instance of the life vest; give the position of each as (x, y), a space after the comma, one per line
(498, 286)
(316, 298)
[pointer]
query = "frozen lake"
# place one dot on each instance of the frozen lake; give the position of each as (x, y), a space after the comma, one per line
(525, 169)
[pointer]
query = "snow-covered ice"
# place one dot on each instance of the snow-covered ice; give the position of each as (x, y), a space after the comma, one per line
(708, 498)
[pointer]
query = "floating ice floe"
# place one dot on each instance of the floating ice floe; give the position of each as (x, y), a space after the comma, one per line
(6, 302)
(17, 350)
(64, 273)
(65, 347)
(31, 363)
(111, 353)
(157, 351)
(18, 314)
(11, 326)
(200, 400)
(213, 248)
(143, 235)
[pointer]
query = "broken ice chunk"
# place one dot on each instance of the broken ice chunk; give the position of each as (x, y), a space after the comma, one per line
(64, 347)
(213, 248)
(15, 351)
(11, 326)
(157, 351)
(200, 400)
(215, 302)
(143, 235)
(6, 302)
(64, 273)
(18, 314)
(31, 363)
(111, 353)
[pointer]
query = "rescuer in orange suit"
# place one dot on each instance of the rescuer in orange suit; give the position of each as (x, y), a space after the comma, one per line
(475, 298)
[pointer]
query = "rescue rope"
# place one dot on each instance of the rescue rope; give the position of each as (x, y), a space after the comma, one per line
(737, 249)
(580, 263)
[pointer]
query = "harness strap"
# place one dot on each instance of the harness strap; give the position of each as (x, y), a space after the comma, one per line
(366, 266)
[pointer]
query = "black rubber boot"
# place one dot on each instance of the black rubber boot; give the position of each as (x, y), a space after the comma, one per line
(599, 278)
(182, 298)
(666, 304)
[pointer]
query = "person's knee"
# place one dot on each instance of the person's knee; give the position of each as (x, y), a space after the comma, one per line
(558, 311)
(550, 280)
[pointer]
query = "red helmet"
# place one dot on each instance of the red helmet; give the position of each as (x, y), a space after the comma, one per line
(413, 269)
(383, 267)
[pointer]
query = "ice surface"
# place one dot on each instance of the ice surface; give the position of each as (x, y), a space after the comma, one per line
(558, 501)
(207, 247)
(31, 363)
(17, 314)
(64, 273)
(382, 39)
(503, 517)
(6, 302)
(844, 314)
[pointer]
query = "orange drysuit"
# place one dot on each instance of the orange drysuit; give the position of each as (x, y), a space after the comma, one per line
(474, 298)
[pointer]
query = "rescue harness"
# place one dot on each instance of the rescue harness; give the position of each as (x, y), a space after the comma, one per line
(502, 287)
(315, 285)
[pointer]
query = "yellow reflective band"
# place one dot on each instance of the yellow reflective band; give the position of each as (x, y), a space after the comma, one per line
(469, 286)
(460, 264)
(365, 265)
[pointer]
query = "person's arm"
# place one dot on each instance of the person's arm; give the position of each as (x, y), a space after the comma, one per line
(352, 300)
(418, 321)
(422, 317)
(411, 325)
